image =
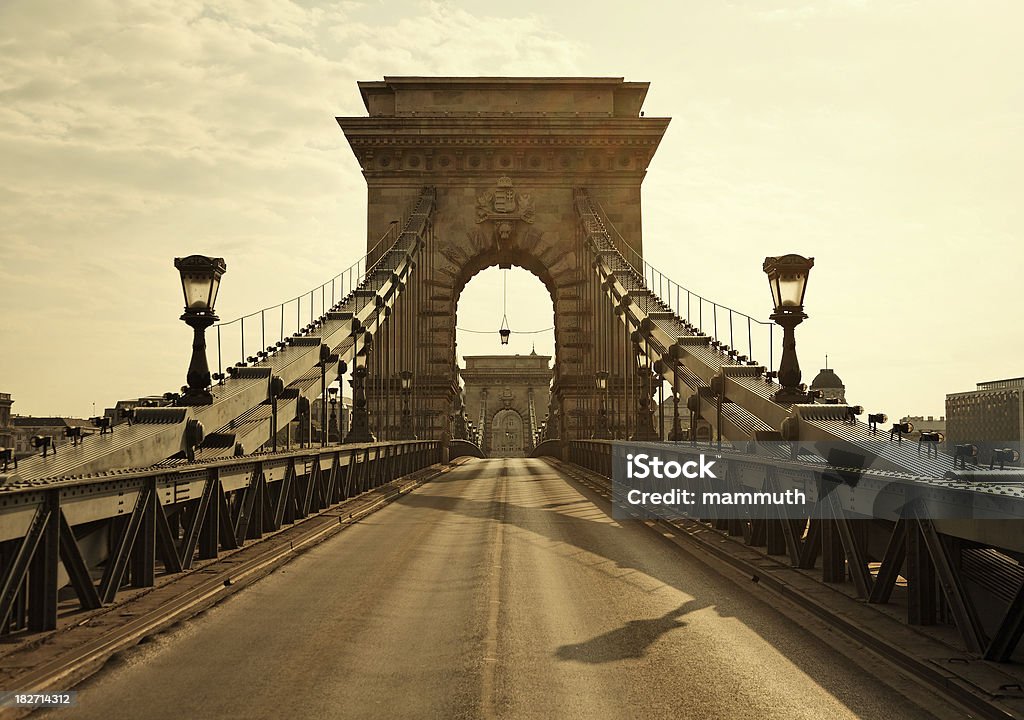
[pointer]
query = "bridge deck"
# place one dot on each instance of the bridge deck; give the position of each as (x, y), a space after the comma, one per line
(498, 590)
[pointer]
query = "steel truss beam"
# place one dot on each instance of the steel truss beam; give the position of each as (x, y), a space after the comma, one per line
(914, 544)
(1008, 636)
(12, 581)
(855, 561)
(892, 563)
(176, 516)
(960, 604)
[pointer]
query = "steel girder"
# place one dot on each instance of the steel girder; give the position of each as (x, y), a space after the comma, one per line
(173, 516)
(914, 550)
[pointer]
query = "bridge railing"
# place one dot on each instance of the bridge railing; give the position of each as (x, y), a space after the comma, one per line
(242, 339)
(750, 337)
(120, 526)
(858, 530)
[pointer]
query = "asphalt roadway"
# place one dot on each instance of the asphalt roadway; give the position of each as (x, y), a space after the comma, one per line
(499, 590)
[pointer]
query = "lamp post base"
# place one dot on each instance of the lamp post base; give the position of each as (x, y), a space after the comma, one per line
(645, 416)
(405, 431)
(677, 434)
(789, 365)
(459, 424)
(645, 427)
(792, 397)
(645, 435)
(197, 391)
(196, 397)
(360, 432)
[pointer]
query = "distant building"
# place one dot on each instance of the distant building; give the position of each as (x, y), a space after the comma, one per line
(507, 396)
(6, 429)
(338, 418)
(830, 385)
(27, 427)
(991, 417)
(302, 431)
(925, 424)
(118, 413)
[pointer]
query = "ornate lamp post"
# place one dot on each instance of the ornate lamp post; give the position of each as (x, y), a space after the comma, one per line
(601, 433)
(200, 281)
(405, 430)
(327, 359)
(554, 419)
(332, 392)
(677, 426)
(787, 277)
(645, 414)
(459, 418)
(360, 430)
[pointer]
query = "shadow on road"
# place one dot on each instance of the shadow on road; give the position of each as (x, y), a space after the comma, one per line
(629, 641)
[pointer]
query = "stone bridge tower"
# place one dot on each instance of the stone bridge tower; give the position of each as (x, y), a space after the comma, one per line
(504, 155)
(507, 396)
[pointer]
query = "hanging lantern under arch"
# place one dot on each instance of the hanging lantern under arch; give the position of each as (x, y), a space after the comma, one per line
(504, 332)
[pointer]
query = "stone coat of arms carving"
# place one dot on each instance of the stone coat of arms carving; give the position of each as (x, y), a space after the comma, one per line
(504, 207)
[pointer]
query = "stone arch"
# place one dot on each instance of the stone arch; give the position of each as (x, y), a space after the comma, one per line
(548, 249)
(507, 434)
(527, 261)
(530, 260)
(461, 242)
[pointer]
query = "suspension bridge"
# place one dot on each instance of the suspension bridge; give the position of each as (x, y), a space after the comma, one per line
(477, 587)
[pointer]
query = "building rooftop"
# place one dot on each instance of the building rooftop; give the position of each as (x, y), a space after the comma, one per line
(401, 95)
(827, 380)
(29, 421)
(1000, 384)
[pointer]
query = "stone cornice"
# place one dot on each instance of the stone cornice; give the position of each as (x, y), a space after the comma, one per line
(500, 121)
(457, 129)
(502, 128)
(530, 378)
(505, 154)
(483, 177)
(431, 141)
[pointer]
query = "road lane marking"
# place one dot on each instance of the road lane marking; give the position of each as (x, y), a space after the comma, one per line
(493, 592)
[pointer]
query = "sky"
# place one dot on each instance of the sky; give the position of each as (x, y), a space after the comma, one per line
(882, 138)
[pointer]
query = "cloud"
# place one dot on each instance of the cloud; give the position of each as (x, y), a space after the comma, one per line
(134, 132)
(879, 136)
